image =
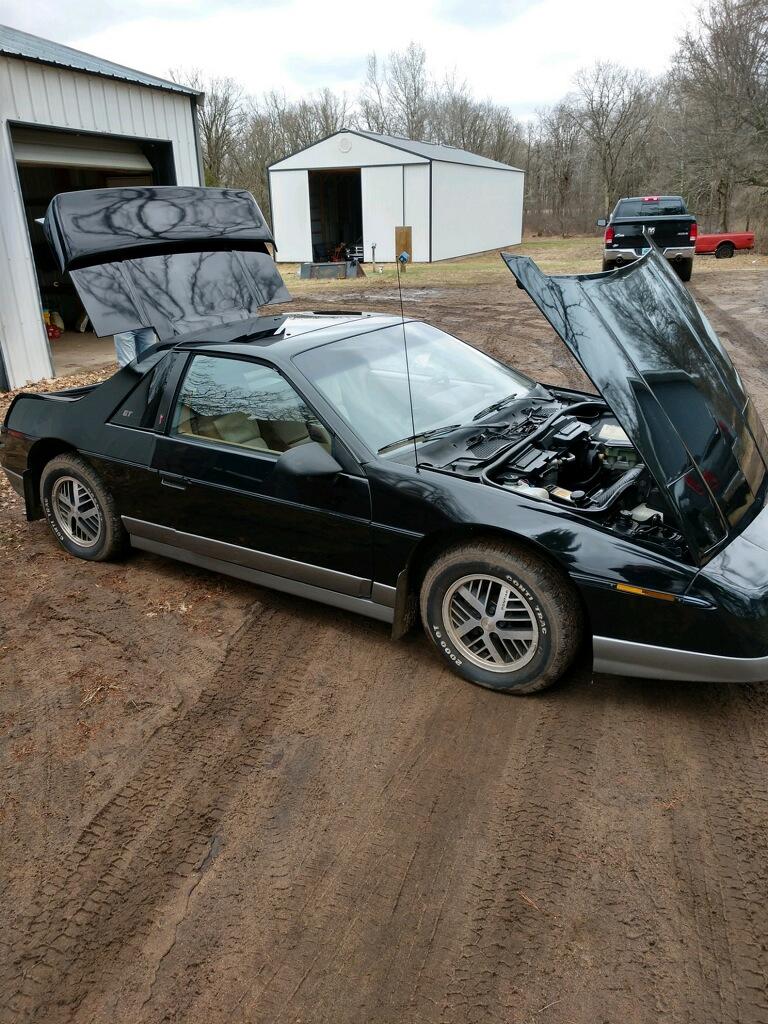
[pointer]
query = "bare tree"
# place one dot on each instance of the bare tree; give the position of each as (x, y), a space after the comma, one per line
(724, 83)
(395, 96)
(409, 88)
(220, 117)
(456, 118)
(614, 109)
(373, 103)
(273, 127)
(561, 137)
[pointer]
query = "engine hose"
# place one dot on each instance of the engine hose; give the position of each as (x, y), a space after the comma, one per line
(609, 495)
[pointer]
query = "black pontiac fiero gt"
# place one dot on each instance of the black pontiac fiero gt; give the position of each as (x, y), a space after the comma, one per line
(515, 520)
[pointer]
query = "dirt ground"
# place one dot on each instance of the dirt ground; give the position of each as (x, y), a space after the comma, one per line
(220, 804)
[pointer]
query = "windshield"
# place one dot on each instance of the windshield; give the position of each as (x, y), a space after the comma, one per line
(660, 207)
(364, 378)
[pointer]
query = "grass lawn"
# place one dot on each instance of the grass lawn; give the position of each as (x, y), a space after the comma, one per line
(554, 255)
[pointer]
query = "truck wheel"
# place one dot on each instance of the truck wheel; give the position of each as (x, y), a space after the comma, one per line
(684, 269)
(725, 251)
(500, 617)
(608, 266)
(80, 510)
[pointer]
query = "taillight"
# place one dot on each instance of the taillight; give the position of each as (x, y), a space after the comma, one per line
(694, 231)
(608, 236)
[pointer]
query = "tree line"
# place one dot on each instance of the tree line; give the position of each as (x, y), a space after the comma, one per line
(699, 130)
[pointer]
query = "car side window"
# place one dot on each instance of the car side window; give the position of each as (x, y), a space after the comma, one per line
(244, 404)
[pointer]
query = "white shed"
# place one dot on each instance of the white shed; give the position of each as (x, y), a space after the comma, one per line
(354, 188)
(70, 121)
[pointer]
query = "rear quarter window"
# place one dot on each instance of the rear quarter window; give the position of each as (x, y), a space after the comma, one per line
(139, 410)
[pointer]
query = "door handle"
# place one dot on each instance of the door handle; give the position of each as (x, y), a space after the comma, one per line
(176, 483)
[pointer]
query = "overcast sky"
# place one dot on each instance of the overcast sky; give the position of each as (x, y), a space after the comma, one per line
(520, 52)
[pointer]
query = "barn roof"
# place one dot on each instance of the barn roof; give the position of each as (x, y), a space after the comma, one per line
(425, 150)
(14, 43)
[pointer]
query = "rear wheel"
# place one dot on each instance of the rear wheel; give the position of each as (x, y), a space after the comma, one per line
(501, 618)
(684, 269)
(608, 266)
(725, 251)
(80, 510)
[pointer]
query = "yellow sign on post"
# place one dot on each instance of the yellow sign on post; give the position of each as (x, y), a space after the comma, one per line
(404, 243)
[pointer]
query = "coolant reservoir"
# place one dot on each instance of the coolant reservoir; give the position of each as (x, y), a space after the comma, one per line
(540, 493)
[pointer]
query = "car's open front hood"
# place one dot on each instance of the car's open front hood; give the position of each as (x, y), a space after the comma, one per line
(171, 258)
(650, 351)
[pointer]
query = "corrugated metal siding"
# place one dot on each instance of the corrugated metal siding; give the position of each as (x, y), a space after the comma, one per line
(291, 216)
(474, 209)
(383, 195)
(52, 97)
(416, 186)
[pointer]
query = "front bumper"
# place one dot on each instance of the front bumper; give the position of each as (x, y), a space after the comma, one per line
(724, 614)
(626, 658)
(677, 252)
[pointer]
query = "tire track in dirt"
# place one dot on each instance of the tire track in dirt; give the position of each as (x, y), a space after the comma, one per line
(358, 895)
(724, 846)
(744, 344)
(149, 841)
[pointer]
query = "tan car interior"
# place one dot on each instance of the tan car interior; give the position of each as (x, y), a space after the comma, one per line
(244, 431)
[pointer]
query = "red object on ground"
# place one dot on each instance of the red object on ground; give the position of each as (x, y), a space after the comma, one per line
(727, 242)
(54, 332)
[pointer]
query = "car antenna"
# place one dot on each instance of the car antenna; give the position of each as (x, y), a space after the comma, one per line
(403, 258)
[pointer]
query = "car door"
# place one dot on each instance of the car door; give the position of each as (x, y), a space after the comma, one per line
(231, 421)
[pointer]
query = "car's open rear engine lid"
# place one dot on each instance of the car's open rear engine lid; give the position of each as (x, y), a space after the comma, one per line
(173, 259)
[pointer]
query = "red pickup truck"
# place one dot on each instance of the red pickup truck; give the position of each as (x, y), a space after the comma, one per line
(724, 245)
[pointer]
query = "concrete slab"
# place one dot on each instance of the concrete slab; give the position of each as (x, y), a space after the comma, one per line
(74, 352)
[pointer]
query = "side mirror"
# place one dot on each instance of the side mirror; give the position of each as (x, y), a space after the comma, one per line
(602, 222)
(308, 460)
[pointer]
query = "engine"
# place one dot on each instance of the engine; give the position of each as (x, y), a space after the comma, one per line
(587, 463)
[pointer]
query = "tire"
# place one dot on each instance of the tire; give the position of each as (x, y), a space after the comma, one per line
(468, 578)
(608, 266)
(684, 269)
(725, 251)
(95, 532)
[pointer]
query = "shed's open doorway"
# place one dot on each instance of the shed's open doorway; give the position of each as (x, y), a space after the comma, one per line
(336, 213)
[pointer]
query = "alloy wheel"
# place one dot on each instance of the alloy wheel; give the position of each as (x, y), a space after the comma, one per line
(490, 623)
(76, 511)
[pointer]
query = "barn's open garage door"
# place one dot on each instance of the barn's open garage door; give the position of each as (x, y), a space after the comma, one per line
(336, 212)
(50, 162)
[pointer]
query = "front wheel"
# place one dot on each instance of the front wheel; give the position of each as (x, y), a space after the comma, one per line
(684, 269)
(80, 510)
(500, 617)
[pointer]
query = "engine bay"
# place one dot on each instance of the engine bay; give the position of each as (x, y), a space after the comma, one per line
(575, 455)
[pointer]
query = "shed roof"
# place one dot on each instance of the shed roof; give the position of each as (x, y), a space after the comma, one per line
(425, 150)
(436, 151)
(14, 43)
